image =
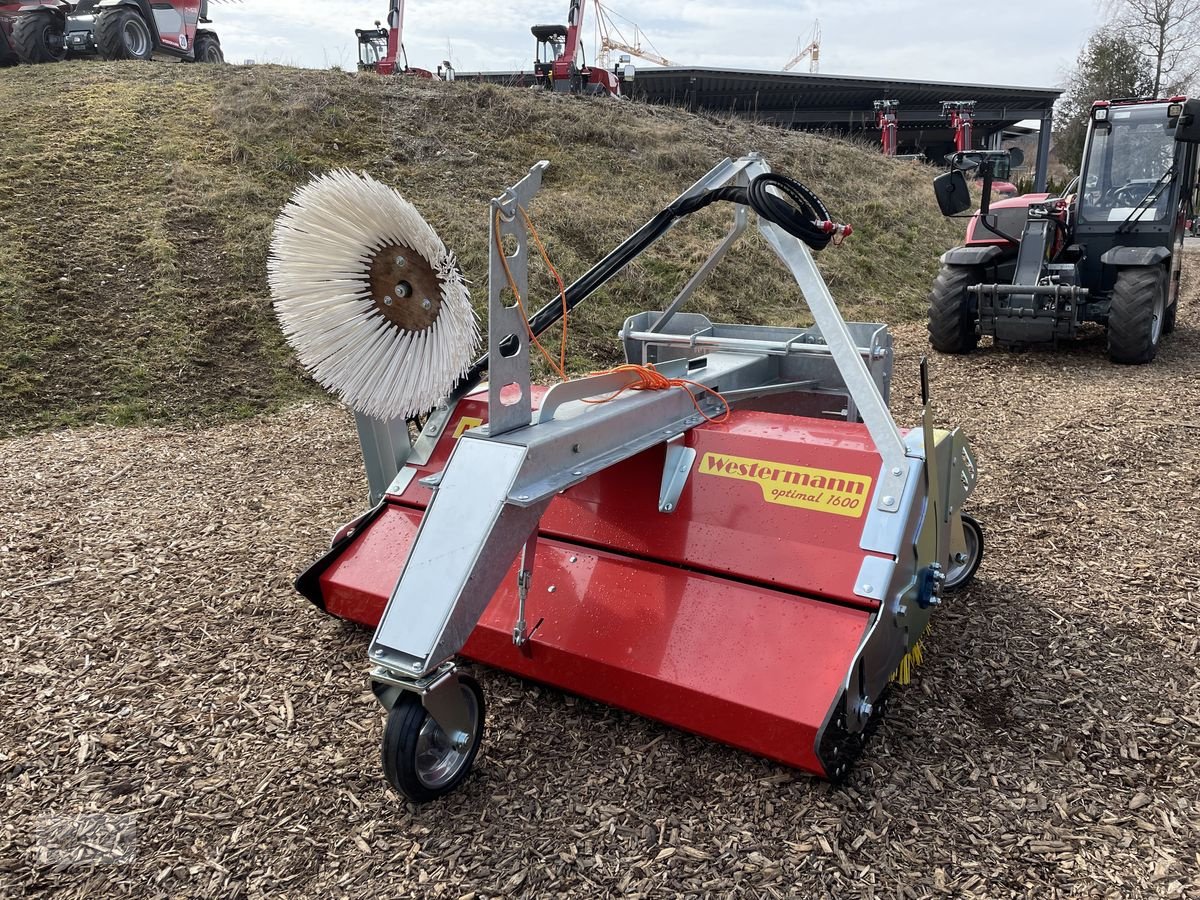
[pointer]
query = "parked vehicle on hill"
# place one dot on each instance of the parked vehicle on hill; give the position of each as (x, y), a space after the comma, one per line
(45, 31)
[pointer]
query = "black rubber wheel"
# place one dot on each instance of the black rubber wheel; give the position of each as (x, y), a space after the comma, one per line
(961, 572)
(1137, 314)
(418, 759)
(952, 309)
(208, 49)
(1169, 318)
(37, 37)
(122, 33)
(7, 56)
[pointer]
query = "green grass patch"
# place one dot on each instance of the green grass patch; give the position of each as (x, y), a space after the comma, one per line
(136, 206)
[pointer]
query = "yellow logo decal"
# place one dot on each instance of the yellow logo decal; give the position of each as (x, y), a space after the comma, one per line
(840, 493)
(466, 423)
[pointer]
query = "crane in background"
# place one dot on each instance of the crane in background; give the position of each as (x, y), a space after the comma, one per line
(811, 51)
(609, 37)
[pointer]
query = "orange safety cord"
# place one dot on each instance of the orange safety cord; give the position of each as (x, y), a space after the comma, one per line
(648, 377)
(559, 369)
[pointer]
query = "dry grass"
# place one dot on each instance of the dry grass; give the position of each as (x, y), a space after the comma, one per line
(136, 204)
(159, 675)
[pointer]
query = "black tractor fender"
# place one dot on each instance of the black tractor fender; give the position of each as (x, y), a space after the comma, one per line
(59, 12)
(142, 6)
(972, 256)
(1135, 256)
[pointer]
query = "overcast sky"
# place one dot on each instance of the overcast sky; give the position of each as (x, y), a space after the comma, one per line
(1019, 42)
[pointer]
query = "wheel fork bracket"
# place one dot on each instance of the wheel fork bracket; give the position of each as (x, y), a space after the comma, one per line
(440, 693)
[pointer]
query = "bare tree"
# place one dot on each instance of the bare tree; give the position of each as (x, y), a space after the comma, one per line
(1167, 32)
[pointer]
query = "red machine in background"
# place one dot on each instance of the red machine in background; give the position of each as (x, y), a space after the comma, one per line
(886, 122)
(961, 114)
(555, 65)
(381, 49)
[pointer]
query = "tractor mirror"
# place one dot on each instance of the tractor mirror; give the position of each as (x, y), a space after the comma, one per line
(950, 189)
(1187, 129)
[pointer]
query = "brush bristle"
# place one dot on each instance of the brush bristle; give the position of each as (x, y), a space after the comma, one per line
(318, 271)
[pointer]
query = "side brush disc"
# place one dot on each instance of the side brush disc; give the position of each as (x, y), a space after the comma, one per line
(369, 297)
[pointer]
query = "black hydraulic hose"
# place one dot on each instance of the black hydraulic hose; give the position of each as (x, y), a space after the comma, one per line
(801, 214)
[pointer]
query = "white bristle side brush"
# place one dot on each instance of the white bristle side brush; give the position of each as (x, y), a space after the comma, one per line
(369, 297)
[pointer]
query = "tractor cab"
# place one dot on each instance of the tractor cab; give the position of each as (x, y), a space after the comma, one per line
(551, 42)
(372, 47)
(1108, 251)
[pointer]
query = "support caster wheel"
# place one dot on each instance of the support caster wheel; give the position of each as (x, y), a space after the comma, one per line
(419, 759)
(961, 571)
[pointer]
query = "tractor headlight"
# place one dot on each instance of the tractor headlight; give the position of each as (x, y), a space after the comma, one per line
(1174, 110)
(1100, 113)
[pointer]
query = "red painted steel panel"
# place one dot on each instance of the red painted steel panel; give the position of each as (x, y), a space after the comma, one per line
(746, 665)
(735, 524)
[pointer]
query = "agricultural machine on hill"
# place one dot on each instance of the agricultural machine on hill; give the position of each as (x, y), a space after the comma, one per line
(42, 31)
(1035, 267)
(558, 48)
(729, 533)
(381, 50)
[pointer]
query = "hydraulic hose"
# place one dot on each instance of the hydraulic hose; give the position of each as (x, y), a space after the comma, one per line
(799, 212)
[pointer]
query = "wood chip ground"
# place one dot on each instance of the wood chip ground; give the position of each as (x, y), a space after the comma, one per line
(175, 721)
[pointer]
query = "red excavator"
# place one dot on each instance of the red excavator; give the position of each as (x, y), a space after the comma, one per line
(555, 67)
(381, 50)
(41, 31)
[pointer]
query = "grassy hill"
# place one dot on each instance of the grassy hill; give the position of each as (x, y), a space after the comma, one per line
(136, 204)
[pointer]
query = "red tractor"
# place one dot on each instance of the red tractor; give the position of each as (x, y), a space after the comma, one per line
(50, 30)
(1034, 268)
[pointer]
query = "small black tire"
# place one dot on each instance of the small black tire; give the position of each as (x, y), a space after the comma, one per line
(208, 49)
(122, 33)
(417, 759)
(37, 37)
(1137, 314)
(960, 572)
(952, 310)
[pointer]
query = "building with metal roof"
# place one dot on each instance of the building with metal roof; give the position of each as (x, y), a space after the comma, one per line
(843, 104)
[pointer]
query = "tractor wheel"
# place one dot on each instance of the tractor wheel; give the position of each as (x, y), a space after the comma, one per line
(1169, 318)
(208, 49)
(952, 310)
(122, 33)
(37, 37)
(1137, 314)
(7, 56)
(419, 759)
